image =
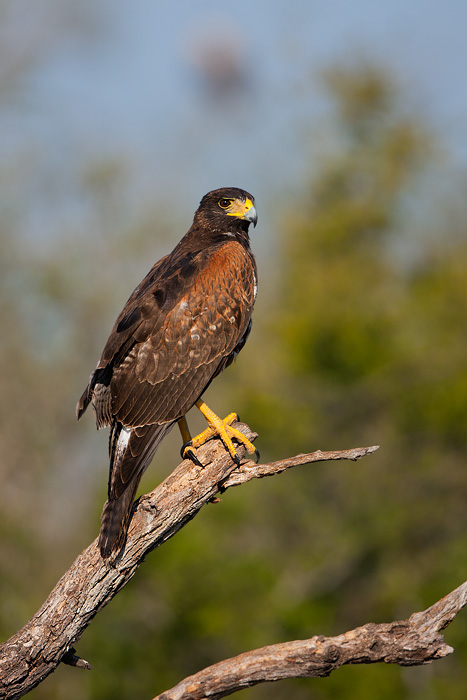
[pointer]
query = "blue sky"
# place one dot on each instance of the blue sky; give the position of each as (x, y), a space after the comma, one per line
(127, 86)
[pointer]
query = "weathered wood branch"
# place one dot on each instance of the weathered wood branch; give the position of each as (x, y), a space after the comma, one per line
(48, 638)
(409, 642)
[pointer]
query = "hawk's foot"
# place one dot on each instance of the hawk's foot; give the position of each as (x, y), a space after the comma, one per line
(216, 428)
(186, 452)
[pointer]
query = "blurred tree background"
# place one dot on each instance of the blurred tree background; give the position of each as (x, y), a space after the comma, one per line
(359, 338)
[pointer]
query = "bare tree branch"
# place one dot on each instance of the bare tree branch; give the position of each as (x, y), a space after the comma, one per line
(250, 470)
(409, 642)
(48, 638)
(34, 652)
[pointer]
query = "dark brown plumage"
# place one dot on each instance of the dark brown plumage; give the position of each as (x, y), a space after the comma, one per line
(180, 328)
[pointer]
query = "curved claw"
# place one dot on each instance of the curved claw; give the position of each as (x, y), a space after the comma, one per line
(257, 455)
(223, 429)
(187, 453)
(184, 447)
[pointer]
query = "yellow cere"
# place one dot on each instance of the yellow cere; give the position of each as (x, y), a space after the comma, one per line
(239, 208)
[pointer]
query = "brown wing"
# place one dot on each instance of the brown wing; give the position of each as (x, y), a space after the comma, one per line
(176, 332)
(177, 354)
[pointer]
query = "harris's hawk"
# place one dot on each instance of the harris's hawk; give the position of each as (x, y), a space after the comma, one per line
(185, 322)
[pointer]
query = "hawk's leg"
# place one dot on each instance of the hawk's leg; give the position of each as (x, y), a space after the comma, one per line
(186, 452)
(216, 428)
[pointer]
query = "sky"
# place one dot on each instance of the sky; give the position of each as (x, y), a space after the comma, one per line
(145, 82)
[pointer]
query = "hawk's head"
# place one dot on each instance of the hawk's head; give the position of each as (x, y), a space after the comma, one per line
(228, 208)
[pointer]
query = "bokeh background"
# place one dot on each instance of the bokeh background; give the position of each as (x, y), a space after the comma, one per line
(348, 123)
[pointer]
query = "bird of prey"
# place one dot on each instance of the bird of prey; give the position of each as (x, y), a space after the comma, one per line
(185, 322)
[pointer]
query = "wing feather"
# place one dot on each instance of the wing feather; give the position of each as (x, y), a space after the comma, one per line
(164, 374)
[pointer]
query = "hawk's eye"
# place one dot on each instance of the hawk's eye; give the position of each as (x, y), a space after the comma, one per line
(225, 203)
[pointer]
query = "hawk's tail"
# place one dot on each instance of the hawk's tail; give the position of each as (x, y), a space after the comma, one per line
(115, 519)
(131, 452)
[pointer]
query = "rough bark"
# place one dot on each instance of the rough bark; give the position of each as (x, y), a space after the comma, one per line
(48, 638)
(409, 642)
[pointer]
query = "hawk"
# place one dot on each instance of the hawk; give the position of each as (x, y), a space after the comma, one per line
(185, 322)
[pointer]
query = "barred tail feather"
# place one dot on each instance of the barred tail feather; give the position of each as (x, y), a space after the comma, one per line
(115, 520)
(131, 452)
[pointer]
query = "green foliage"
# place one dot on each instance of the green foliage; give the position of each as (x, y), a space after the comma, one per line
(371, 350)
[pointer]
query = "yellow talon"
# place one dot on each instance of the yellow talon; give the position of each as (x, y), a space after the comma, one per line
(216, 428)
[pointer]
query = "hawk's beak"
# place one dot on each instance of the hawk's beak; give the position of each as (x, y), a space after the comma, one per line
(249, 212)
(243, 210)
